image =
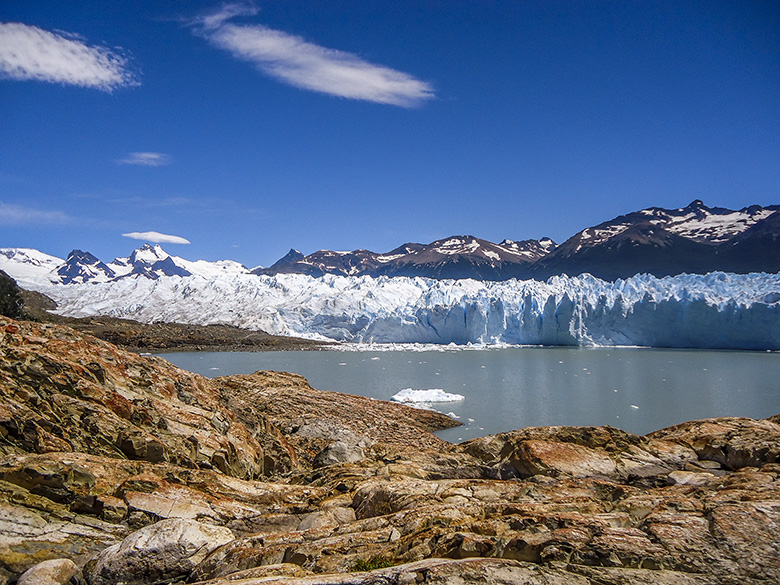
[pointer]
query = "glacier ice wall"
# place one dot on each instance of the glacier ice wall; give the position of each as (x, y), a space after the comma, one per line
(716, 310)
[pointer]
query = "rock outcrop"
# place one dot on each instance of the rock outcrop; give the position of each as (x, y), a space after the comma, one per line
(167, 549)
(120, 468)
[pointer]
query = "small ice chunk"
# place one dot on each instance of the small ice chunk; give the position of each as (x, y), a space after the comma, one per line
(409, 395)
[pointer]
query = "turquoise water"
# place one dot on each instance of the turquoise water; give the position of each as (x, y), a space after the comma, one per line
(636, 389)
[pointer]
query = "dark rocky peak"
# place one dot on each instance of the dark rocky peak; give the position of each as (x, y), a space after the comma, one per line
(407, 248)
(83, 267)
(291, 257)
(83, 257)
(148, 254)
(696, 205)
(164, 267)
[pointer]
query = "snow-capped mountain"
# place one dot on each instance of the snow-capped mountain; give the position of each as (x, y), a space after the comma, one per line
(454, 257)
(716, 310)
(469, 257)
(153, 262)
(692, 239)
(31, 267)
(83, 267)
(352, 263)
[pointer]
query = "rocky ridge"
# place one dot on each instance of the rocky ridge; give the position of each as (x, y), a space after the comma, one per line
(694, 239)
(119, 468)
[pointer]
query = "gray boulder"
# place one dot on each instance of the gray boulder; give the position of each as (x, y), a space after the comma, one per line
(165, 550)
(338, 452)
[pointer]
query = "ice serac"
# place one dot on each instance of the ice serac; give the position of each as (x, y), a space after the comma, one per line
(716, 310)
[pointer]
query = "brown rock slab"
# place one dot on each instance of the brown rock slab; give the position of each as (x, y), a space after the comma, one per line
(732, 442)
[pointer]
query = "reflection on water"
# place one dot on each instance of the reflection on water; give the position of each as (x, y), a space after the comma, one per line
(636, 389)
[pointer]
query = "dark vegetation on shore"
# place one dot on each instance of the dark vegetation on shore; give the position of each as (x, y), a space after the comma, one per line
(18, 303)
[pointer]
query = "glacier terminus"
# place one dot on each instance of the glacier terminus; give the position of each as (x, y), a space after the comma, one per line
(716, 310)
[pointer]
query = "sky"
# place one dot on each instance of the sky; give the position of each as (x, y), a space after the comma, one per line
(241, 130)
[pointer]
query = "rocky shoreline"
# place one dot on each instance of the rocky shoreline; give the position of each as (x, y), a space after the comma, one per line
(120, 468)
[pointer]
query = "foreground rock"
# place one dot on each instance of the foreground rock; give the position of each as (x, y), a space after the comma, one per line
(137, 472)
(164, 550)
(53, 572)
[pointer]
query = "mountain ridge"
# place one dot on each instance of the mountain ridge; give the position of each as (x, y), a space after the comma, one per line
(663, 242)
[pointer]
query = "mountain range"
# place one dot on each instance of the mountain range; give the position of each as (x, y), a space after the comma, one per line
(694, 239)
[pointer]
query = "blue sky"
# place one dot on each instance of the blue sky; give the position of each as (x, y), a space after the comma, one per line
(250, 128)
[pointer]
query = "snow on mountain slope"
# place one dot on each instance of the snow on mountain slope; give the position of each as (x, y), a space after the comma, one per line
(208, 269)
(530, 250)
(715, 310)
(29, 267)
(154, 262)
(714, 225)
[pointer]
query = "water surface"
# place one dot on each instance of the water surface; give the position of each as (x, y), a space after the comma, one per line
(636, 389)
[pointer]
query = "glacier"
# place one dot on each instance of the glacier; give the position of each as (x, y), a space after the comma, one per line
(716, 310)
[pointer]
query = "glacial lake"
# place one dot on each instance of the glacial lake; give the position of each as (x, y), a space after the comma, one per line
(636, 389)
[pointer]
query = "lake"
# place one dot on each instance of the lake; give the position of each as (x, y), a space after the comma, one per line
(636, 389)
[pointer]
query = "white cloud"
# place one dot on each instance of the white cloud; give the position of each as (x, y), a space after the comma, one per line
(29, 52)
(156, 237)
(146, 159)
(305, 65)
(11, 214)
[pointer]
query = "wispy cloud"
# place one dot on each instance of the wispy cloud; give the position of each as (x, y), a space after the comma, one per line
(11, 214)
(302, 64)
(145, 159)
(157, 238)
(29, 52)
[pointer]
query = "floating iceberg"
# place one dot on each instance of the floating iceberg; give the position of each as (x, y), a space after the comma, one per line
(410, 396)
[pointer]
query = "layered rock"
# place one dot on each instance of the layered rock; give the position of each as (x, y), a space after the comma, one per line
(133, 471)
